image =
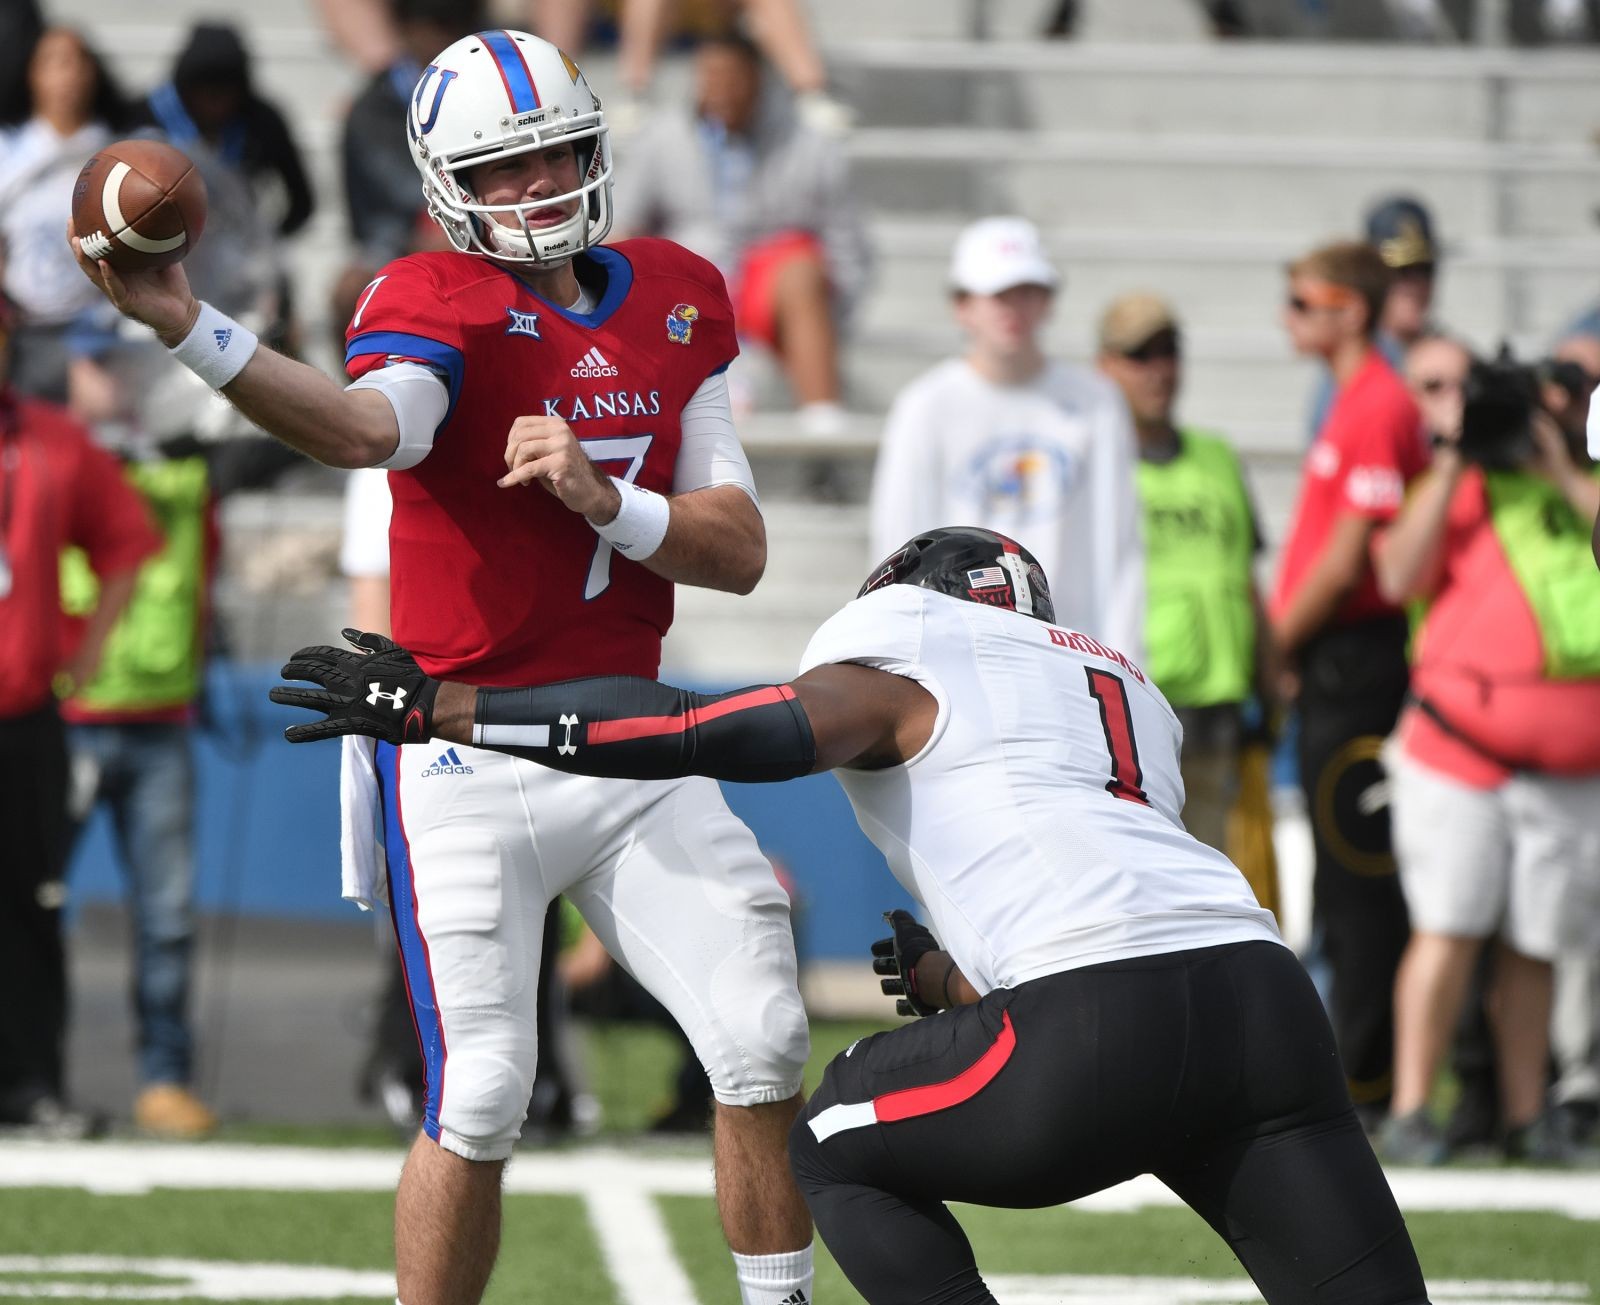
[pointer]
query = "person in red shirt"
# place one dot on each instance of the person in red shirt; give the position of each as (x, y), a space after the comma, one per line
(56, 488)
(1496, 762)
(1346, 645)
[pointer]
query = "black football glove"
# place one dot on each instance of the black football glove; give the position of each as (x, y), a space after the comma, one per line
(897, 957)
(379, 691)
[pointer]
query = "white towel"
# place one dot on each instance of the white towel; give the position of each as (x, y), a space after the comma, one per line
(363, 877)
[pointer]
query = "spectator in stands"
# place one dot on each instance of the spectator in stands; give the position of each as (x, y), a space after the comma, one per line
(210, 99)
(383, 201)
(256, 184)
(1009, 439)
(780, 30)
(68, 107)
(743, 182)
(1206, 635)
(1226, 19)
(366, 31)
(1346, 644)
(20, 26)
(1401, 230)
(1496, 763)
(56, 489)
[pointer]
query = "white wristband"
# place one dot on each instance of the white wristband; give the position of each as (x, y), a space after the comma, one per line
(640, 524)
(217, 349)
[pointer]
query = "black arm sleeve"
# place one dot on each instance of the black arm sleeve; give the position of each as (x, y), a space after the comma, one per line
(620, 726)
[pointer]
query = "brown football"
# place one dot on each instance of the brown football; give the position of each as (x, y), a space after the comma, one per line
(138, 204)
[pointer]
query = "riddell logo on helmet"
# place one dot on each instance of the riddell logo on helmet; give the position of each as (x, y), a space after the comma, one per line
(593, 363)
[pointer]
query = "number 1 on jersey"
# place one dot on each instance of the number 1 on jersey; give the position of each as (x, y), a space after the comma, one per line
(1116, 719)
(631, 449)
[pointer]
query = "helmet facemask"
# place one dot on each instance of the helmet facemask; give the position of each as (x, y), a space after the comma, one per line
(474, 228)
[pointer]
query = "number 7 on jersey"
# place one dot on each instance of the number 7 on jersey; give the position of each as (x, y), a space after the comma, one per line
(631, 449)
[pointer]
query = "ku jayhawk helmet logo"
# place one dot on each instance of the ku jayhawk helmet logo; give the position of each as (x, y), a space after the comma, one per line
(680, 323)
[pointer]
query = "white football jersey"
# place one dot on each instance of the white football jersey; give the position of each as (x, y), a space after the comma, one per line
(1039, 828)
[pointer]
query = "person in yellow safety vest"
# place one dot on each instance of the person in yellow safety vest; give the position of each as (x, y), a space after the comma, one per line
(1209, 645)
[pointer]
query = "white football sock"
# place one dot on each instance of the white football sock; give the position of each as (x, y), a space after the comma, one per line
(775, 1279)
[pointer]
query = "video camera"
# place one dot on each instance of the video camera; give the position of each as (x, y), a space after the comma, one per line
(1500, 399)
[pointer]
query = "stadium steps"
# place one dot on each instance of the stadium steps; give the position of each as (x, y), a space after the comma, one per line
(1240, 90)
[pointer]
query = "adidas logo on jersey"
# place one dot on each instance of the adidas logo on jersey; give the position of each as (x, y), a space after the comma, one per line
(594, 363)
(449, 763)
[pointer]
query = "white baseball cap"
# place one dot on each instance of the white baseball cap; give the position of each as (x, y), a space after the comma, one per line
(997, 253)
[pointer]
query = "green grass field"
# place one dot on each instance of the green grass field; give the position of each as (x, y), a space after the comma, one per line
(551, 1253)
(627, 1222)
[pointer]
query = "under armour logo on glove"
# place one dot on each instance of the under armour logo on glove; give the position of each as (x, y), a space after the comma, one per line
(397, 699)
(351, 700)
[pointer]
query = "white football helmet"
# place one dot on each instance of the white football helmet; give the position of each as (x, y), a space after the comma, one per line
(495, 94)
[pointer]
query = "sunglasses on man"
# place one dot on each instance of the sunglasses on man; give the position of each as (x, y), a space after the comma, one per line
(1439, 384)
(1320, 297)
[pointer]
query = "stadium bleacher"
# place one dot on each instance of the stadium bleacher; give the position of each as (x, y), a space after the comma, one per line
(1174, 163)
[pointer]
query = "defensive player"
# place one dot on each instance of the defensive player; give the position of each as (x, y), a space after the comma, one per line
(1124, 1006)
(598, 373)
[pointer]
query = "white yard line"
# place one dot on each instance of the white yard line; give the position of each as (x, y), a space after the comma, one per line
(617, 1189)
(30, 1277)
(1574, 1194)
(141, 1166)
(1084, 1289)
(637, 1247)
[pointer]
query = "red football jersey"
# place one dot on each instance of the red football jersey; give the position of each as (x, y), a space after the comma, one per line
(507, 586)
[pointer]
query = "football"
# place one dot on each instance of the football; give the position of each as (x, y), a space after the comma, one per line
(138, 204)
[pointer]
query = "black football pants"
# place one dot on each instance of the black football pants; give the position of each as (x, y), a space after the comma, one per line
(33, 814)
(1353, 683)
(1213, 1069)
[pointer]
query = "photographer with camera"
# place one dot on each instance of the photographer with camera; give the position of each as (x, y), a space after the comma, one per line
(1496, 760)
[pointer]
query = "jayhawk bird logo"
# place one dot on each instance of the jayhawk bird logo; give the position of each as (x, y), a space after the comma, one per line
(680, 323)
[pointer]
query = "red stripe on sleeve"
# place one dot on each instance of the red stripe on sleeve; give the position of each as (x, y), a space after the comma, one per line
(645, 727)
(911, 1102)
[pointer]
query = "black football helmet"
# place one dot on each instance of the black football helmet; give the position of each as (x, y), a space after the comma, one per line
(971, 563)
